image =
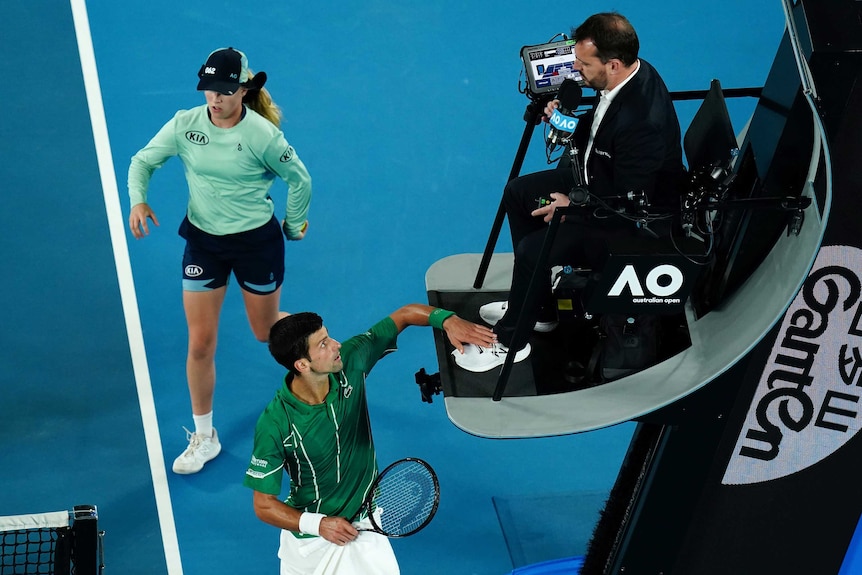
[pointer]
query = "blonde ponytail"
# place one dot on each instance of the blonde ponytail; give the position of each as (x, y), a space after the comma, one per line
(261, 102)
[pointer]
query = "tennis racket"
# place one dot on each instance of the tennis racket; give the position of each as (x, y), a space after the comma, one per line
(406, 495)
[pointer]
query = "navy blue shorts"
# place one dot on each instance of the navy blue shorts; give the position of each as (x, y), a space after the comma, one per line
(255, 257)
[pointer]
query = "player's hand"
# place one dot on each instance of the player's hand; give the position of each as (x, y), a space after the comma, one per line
(460, 331)
(546, 212)
(297, 237)
(138, 220)
(337, 530)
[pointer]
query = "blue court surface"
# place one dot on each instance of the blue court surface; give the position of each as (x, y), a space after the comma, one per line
(408, 116)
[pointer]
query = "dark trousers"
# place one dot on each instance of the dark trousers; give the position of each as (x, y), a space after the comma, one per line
(581, 241)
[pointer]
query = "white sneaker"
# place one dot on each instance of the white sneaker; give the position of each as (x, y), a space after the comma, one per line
(493, 312)
(476, 358)
(200, 450)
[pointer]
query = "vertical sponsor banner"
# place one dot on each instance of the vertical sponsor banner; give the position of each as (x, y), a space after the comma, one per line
(808, 401)
(792, 483)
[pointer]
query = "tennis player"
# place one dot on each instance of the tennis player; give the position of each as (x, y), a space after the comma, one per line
(317, 430)
(232, 150)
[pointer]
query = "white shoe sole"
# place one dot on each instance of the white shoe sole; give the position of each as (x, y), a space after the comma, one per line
(494, 360)
(545, 326)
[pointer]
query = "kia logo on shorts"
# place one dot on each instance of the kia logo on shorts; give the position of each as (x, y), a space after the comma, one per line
(198, 138)
(194, 271)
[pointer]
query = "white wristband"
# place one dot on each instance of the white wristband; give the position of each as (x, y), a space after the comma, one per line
(309, 523)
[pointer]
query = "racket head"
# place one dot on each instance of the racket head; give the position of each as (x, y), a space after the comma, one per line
(408, 493)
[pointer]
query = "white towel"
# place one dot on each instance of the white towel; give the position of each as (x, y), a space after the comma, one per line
(369, 554)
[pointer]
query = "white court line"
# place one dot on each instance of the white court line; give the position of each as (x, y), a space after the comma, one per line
(116, 225)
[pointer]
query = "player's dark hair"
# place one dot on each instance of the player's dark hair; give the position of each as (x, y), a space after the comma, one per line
(612, 35)
(288, 337)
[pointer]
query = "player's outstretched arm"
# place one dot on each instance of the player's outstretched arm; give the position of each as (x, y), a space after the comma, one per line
(458, 330)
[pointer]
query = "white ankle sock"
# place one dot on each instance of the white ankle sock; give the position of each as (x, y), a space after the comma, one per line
(204, 424)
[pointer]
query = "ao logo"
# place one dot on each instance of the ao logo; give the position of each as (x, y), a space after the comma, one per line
(629, 278)
(562, 122)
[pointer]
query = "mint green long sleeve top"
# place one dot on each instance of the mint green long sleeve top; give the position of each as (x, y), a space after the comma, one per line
(229, 171)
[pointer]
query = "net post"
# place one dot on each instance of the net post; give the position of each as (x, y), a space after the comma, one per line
(63, 552)
(85, 533)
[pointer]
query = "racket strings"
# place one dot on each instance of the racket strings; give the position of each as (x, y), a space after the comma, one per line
(407, 497)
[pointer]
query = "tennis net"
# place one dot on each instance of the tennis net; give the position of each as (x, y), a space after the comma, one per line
(54, 543)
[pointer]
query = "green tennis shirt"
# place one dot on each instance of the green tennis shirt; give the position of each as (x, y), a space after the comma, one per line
(327, 449)
(229, 171)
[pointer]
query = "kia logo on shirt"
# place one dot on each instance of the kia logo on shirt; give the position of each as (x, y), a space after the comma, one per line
(198, 138)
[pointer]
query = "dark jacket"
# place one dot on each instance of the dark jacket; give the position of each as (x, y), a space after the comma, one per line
(637, 147)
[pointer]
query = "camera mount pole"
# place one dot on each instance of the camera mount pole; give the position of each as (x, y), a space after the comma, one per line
(532, 116)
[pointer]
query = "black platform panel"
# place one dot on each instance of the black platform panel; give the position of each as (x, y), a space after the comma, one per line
(759, 472)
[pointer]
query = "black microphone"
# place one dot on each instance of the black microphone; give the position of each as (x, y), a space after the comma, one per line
(562, 120)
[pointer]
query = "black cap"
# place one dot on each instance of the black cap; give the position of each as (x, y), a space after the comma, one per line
(225, 71)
